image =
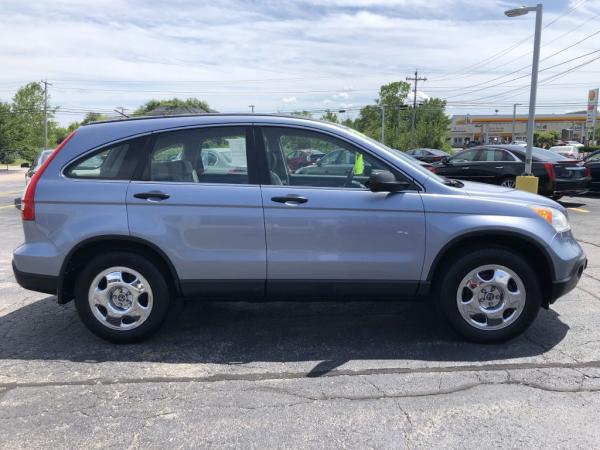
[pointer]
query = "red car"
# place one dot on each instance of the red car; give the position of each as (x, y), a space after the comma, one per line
(302, 158)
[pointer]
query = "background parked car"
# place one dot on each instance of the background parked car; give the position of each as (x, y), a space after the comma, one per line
(429, 155)
(501, 165)
(336, 162)
(38, 162)
(303, 158)
(569, 151)
(593, 162)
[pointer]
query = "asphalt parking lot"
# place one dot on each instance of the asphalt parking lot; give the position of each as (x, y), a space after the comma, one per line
(298, 375)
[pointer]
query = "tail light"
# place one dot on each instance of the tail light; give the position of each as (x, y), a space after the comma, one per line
(550, 170)
(588, 170)
(431, 169)
(28, 201)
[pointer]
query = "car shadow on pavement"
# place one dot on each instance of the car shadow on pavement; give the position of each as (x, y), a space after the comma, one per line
(239, 333)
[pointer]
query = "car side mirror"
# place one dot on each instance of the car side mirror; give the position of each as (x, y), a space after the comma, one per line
(384, 181)
(446, 161)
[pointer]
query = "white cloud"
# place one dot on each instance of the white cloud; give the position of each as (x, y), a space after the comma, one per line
(224, 51)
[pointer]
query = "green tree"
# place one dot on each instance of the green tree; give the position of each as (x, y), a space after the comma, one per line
(301, 113)
(431, 128)
(190, 104)
(27, 121)
(6, 137)
(330, 117)
(545, 139)
(94, 117)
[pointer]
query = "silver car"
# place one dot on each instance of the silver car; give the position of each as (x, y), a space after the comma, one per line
(125, 219)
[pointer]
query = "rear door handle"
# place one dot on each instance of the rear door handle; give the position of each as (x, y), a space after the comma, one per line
(289, 199)
(152, 195)
(499, 167)
(465, 168)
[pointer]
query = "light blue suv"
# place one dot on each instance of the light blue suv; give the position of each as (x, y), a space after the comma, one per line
(126, 217)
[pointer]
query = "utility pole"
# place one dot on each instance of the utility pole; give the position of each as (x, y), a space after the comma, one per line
(45, 83)
(514, 120)
(383, 124)
(252, 108)
(416, 80)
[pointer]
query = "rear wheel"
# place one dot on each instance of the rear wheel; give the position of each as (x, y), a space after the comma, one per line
(556, 197)
(122, 297)
(490, 294)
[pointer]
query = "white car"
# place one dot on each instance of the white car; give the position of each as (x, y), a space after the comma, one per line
(521, 143)
(569, 151)
(575, 143)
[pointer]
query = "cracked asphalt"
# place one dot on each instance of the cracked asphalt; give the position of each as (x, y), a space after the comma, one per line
(298, 375)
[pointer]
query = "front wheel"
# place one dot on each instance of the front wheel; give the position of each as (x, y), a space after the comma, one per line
(122, 297)
(490, 294)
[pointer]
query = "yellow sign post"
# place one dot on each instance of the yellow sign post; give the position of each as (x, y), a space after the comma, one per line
(528, 183)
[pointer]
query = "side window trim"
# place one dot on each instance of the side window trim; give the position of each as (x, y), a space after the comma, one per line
(136, 145)
(264, 169)
(143, 170)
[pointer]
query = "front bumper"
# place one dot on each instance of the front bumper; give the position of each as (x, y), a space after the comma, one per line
(36, 282)
(562, 287)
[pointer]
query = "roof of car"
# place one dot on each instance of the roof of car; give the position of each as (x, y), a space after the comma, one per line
(176, 117)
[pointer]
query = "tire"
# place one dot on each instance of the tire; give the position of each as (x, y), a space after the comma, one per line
(128, 308)
(556, 197)
(509, 182)
(460, 307)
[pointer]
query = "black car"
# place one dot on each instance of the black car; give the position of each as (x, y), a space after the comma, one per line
(593, 162)
(428, 155)
(501, 164)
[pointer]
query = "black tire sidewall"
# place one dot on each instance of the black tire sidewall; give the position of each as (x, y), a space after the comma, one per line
(468, 261)
(156, 279)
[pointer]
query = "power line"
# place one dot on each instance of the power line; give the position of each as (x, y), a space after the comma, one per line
(508, 49)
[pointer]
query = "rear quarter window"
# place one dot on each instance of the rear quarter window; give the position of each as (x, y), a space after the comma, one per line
(116, 162)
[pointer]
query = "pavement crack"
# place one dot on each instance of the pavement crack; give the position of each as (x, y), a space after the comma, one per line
(596, 296)
(589, 243)
(274, 376)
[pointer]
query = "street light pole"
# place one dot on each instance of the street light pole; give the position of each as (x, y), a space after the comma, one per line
(514, 119)
(533, 92)
(531, 184)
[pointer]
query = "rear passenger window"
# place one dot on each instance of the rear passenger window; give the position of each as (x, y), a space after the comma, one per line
(111, 163)
(203, 155)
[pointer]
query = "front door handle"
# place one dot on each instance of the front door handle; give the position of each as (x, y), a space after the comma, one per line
(152, 195)
(465, 168)
(499, 167)
(289, 199)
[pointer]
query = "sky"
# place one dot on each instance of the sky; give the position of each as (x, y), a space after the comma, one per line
(286, 55)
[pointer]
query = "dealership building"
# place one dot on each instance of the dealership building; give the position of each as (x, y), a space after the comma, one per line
(498, 128)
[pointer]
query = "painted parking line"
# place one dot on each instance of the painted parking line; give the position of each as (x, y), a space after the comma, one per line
(581, 210)
(7, 206)
(11, 192)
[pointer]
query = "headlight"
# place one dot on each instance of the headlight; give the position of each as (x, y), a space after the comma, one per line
(554, 217)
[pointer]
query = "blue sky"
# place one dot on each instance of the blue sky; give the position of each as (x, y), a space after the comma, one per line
(288, 55)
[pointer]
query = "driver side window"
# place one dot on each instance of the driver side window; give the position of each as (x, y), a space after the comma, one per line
(465, 156)
(341, 166)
